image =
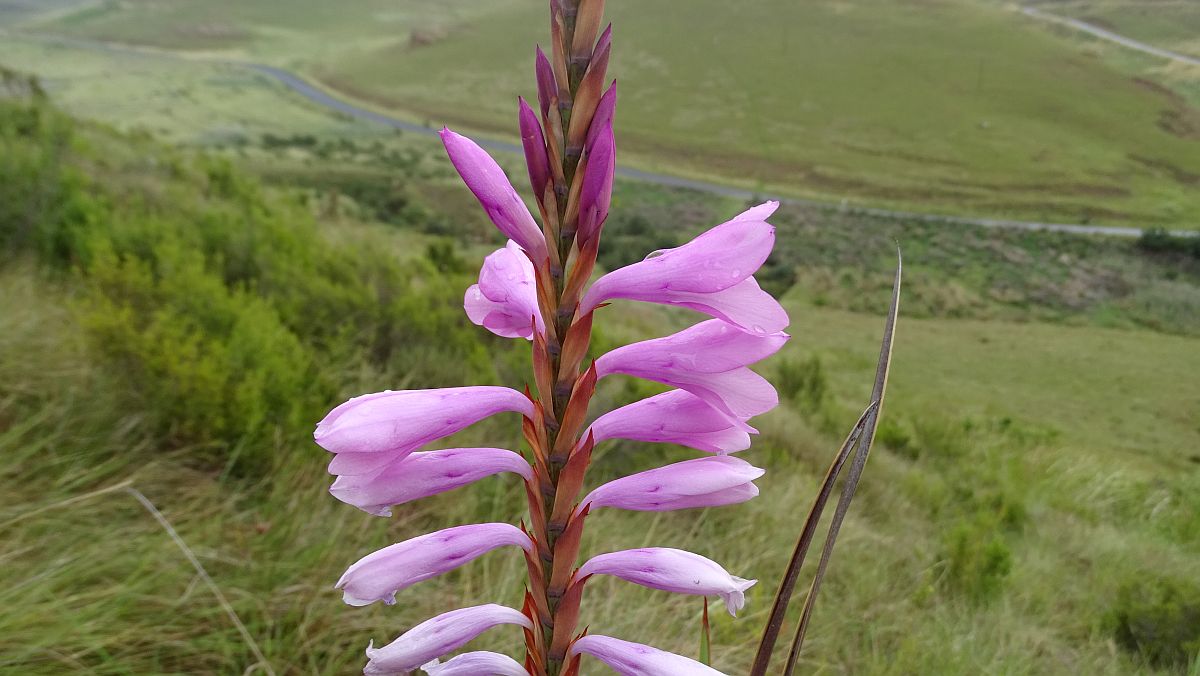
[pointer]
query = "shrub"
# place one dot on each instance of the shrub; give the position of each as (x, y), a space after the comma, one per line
(975, 559)
(1158, 619)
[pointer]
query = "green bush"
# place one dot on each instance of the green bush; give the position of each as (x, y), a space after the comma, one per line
(1158, 619)
(232, 320)
(975, 559)
(803, 382)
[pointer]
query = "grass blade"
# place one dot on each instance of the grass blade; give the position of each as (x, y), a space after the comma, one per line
(859, 440)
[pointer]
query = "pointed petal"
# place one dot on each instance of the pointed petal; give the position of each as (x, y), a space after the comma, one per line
(744, 304)
(476, 664)
(671, 570)
(421, 475)
(713, 261)
(380, 574)
(397, 423)
(438, 636)
(707, 360)
(495, 193)
(704, 482)
(675, 417)
(634, 659)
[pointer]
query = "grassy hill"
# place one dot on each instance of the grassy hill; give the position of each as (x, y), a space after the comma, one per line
(957, 106)
(168, 321)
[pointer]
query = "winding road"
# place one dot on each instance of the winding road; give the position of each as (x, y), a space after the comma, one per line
(325, 98)
(1106, 34)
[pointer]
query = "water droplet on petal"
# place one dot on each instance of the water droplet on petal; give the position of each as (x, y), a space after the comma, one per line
(655, 254)
(758, 329)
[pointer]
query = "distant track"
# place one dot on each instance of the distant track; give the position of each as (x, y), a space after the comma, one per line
(1105, 34)
(324, 98)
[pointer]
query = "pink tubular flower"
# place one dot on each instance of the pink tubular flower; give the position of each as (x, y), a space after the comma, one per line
(421, 475)
(374, 430)
(634, 659)
(675, 417)
(437, 636)
(476, 664)
(495, 193)
(709, 360)
(672, 570)
(380, 574)
(703, 482)
(505, 299)
(711, 274)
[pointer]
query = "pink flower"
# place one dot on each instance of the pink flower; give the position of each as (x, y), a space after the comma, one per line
(495, 193)
(437, 636)
(709, 360)
(369, 432)
(711, 274)
(421, 475)
(634, 659)
(703, 482)
(505, 299)
(675, 417)
(671, 570)
(380, 574)
(476, 663)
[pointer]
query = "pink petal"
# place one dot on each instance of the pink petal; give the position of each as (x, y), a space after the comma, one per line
(505, 299)
(421, 475)
(495, 193)
(675, 417)
(744, 304)
(713, 261)
(704, 482)
(634, 659)
(672, 570)
(707, 360)
(397, 423)
(380, 574)
(477, 664)
(438, 636)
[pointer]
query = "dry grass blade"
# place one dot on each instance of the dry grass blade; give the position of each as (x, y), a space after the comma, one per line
(212, 586)
(856, 468)
(787, 585)
(859, 440)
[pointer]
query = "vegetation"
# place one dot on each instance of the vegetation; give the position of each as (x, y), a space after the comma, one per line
(966, 108)
(171, 322)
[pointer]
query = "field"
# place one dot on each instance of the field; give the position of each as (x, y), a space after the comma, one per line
(959, 106)
(1172, 24)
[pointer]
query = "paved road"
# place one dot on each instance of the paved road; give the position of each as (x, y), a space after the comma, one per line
(324, 98)
(1110, 36)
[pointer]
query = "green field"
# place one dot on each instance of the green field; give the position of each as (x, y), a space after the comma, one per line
(960, 106)
(1172, 24)
(168, 321)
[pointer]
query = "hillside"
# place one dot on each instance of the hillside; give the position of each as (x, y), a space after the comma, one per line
(169, 321)
(954, 106)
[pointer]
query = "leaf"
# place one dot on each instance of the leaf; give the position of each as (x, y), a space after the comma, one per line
(859, 441)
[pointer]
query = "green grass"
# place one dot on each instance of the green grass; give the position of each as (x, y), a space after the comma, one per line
(1172, 24)
(960, 106)
(178, 100)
